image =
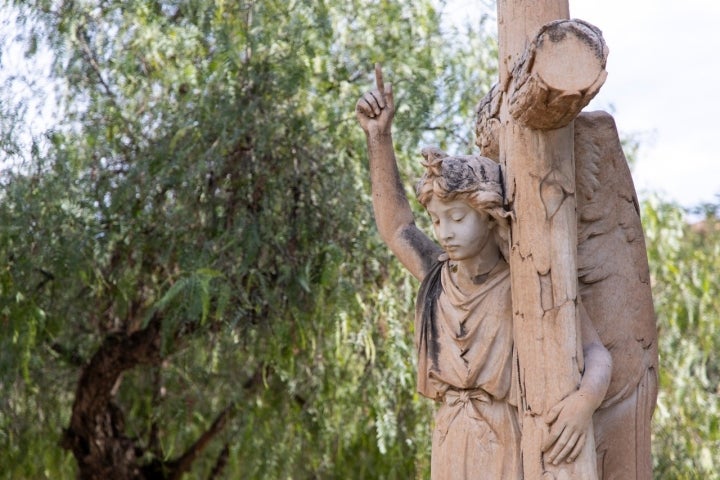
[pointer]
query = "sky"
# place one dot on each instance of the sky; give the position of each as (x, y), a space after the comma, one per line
(662, 69)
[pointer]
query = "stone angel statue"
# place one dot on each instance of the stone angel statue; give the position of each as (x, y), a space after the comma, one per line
(463, 321)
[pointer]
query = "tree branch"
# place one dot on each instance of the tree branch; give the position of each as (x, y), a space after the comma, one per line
(181, 465)
(84, 45)
(91, 59)
(220, 463)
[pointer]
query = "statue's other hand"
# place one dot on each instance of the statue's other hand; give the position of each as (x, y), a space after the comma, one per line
(568, 423)
(375, 109)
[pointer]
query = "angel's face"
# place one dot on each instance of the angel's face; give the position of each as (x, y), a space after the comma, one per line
(463, 232)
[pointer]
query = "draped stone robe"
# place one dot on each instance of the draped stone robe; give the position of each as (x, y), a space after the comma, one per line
(465, 352)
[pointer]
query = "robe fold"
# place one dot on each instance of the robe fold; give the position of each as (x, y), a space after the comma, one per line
(465, 351)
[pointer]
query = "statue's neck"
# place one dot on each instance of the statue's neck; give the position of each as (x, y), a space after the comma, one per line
(467, 274)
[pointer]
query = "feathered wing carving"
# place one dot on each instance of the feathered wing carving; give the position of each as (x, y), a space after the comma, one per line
(612, 259)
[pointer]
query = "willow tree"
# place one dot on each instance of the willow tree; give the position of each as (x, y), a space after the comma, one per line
(188, 286)
(684, 261)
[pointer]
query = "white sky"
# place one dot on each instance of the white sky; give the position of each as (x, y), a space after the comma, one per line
(663, 65)
(662, 70)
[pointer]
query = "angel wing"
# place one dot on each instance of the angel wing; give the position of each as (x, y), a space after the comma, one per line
(612, 259)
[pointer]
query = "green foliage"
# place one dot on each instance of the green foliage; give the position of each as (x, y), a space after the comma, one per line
(684, 261)
(209, 171)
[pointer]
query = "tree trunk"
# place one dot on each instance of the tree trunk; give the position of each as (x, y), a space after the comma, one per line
(96, 432)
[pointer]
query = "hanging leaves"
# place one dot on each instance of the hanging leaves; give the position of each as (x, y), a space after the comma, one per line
(198, 230)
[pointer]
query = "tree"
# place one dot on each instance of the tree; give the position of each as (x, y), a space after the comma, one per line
(193, 282)
(684, 261)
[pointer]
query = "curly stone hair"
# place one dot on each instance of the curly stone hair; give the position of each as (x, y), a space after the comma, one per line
(474, 179)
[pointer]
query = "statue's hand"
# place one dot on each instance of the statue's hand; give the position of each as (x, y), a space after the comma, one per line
(375, 109)
(569, 421)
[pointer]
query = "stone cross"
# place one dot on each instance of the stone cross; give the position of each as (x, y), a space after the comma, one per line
(550, 68)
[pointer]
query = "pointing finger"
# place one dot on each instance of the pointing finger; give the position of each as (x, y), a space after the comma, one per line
(379, 79)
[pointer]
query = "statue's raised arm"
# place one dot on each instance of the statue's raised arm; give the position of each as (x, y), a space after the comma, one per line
(394, 218)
